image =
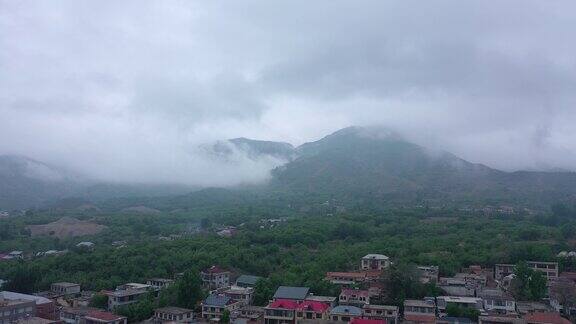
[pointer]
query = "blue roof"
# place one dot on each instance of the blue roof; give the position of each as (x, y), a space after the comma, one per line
(296, 293)
(216, 300)
(346, 310)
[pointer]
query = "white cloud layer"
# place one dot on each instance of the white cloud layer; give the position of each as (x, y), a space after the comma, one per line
(126, 90)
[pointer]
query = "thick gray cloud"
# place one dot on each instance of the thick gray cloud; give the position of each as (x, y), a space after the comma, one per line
(128, 90)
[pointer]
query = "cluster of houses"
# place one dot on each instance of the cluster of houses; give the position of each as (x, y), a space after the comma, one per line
(360, 300)
(63, 303)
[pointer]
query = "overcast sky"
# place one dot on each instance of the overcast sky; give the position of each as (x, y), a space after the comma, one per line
(126, 90)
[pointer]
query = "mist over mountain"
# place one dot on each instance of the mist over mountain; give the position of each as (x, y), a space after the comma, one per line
(353, 164)
(26, 183)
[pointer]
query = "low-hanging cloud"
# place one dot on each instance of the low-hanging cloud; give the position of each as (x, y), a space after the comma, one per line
(129, 91)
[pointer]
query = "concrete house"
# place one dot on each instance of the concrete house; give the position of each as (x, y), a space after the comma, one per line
(159, 283)
(355, 297)
(215, 277)
(381, 312)
(173, 315)
(419, 311)
(374, 262)
(498, 301)
(550, 269)
(345, 314)
(242, 294)
(67, 289)
(101, 317)
(15, 309)
(215, 304)
(428, 274)
(45, 308)
(470, 302)
(123, 297)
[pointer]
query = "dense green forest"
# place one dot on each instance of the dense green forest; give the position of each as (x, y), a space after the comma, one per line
(297, 251)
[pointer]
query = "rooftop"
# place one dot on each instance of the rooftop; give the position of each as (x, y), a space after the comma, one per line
(103, 316)
(173, 310)
(459, 299)
(283, 304)
(417, 303)
(546, 318)
(83, 311)
(161, 280)
(375, 257)
(34, 320)
(325, 299)
(286, 292)
(248, 279)
(217, 300)
(13, 295)
(350, 291)
(346, 310)
(384, 307)
(366, 321)
(125, 292)
(65, 284)
(214, 269)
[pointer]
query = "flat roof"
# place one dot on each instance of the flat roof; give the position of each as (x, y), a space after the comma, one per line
(173, 310)
(459, 299)
(15, 295)
(373, 256)
(418, 303)
(125, 292)
(66, 284)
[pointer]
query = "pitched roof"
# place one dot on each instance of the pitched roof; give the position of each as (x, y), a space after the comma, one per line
(375, 257)
(173, 310)
(283, 304)
(104, 316)
(214, 269)
(315, 306)
(358, 292)
(248, 279)
(367, 321)
(13, 295)
(297, 293)
(546, 318)
(217, 300)
(346, 310)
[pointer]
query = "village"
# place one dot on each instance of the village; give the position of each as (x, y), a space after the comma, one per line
(485, 292)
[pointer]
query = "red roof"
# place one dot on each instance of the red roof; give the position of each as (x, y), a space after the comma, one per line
(546, 318)
(214, 269)
(104, 316)
(348, 292)
(284, 304)
(315, 306)
(420, 318)
(307, 305)
(367, 321)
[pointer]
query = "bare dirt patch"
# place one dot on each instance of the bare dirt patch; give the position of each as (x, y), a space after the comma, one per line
(66, 227)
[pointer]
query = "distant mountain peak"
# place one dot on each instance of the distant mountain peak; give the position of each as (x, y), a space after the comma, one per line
(22, 166)
(253, 149)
